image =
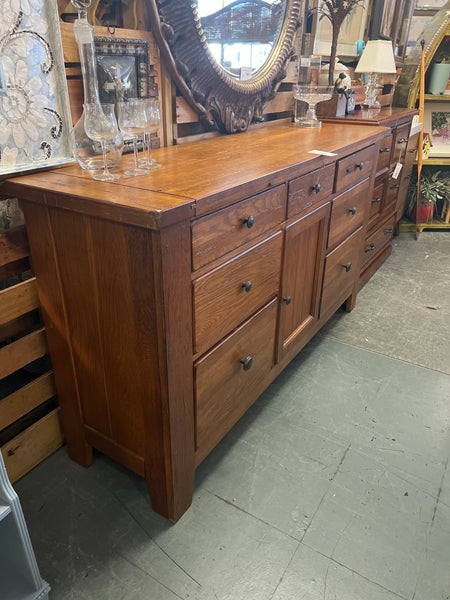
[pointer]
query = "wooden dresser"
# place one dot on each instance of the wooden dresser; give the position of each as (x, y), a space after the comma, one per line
(389, 193)
(171, 301)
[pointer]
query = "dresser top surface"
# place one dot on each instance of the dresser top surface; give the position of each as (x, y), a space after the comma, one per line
(387, 115)
(198, 177)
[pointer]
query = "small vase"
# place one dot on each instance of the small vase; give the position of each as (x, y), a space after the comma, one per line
(89, 153)
(439, 78)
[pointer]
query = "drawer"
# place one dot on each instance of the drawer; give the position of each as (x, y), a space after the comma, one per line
(341, 272)
(310, 189)
(392, 192)
(377, 240)
(400, 143)
(218, 233)
(347, 212)
(228, 295)
(384, 153)
(377, 200)
(354, 168)
(232, 376)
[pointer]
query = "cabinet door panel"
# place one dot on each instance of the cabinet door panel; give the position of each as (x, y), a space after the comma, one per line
(302, 275)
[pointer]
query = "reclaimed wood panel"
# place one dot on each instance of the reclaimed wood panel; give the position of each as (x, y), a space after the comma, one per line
(17, 300)
(27, 398)
(16, 355)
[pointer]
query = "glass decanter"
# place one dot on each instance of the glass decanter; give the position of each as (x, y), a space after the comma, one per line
(88, 152)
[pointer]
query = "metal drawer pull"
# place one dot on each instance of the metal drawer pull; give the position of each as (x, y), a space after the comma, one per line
(287, 300)
(316, 188)
(377, 199)
(347, 267)
(394, 187)
(371, 248)
(360, 166)
(412, 151)
(352, 210)
(247, 363)
(247, 286)
(384, 150)
(403, 141)
(390, 230)
(249, 221)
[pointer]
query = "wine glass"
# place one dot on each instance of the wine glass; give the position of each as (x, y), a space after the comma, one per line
(311, 94)
(132, 122)
(101, 126)
(153, 123)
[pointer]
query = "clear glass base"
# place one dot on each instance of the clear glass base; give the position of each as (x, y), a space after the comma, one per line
(106, 177)
(137, 172)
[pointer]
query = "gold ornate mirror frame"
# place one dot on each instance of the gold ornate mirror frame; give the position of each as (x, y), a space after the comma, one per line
(207, 86)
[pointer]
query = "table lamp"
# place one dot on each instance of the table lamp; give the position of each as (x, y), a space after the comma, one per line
(377, 57)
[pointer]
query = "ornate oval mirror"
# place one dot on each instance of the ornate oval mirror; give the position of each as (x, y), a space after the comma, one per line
(226, 57)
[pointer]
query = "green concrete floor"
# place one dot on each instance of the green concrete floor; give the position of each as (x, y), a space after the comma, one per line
(334, 486)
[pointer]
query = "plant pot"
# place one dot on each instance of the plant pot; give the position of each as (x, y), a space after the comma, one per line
(439, 78)
(424, 213)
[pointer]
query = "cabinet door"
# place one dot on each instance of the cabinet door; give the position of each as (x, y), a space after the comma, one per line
(304, 257)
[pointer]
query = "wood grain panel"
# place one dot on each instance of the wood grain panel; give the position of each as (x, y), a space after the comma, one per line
(220, 300)
(310, 189)
(16, 355)
(18, 300)
(28, 397)
(354, 168)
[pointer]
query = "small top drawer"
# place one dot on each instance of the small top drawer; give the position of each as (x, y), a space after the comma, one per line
(310, 189)
(228, 295)
(384, 153)
(354, 168)
(218, 233)
(347, 212)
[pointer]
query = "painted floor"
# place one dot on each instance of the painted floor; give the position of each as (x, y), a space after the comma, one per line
(334, 486)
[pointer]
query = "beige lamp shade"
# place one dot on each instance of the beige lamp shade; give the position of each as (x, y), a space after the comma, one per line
(377, 57)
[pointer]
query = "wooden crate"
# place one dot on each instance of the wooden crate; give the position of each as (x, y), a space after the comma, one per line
(30, 427)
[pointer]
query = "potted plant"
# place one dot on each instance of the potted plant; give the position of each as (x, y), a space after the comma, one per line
(433, 187)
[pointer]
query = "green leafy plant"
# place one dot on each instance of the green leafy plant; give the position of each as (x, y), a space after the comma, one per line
(433, 187)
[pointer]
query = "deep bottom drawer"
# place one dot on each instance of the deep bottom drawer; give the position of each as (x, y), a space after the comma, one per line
(341, 272)
(378, 239)
(230, 377)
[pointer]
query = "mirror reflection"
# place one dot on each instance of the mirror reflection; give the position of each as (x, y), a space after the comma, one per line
(241, 34)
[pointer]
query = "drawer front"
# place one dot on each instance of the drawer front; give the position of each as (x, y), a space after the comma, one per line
(354, 168)
(377, 199)
(341, 272)
(227, 296)
(400, 143)
(378, 240)
(384, 153)
(215, 235)
(310, 189)
(392, 193)
(232, 376)
(347, 213)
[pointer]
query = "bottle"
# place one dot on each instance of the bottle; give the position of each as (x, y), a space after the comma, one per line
(87, 152)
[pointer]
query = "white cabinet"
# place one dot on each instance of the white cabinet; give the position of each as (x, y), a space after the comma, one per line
(19, 573)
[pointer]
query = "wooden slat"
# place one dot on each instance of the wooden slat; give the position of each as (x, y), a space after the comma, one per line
(19, 326)
(30, 447)
(18, 300)
(14, 268)
(27, 398)
(13, 245)
(18, 354)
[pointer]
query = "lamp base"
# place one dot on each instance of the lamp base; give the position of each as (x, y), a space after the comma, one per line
(370, 100)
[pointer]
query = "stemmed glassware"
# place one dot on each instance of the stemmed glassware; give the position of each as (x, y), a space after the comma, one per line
(153, 123)
(312, 94)
(101, 126)
(133, 122)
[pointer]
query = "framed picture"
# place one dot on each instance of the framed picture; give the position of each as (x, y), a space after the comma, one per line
(123, 67)
(436, 122)
(35, 120)
(351, 32)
